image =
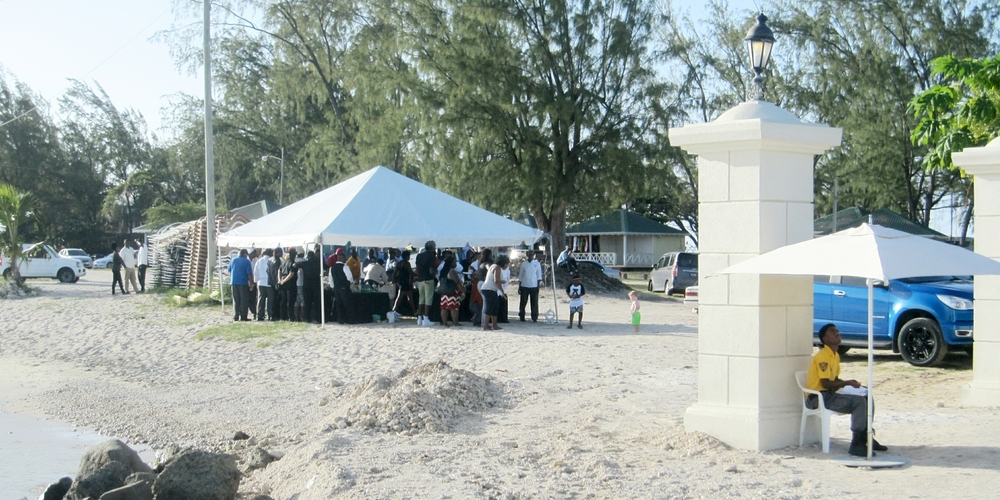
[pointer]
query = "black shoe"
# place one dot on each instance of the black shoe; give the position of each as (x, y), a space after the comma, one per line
(859, 450)
(879, 446)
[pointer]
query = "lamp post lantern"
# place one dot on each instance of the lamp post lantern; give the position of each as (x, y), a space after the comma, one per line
(759, 41)
(281, 183)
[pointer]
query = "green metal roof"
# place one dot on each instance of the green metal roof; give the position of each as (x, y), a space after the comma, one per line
(853, 217)
(620, 222)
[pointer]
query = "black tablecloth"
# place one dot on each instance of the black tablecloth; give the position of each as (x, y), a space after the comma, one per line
(361, 307)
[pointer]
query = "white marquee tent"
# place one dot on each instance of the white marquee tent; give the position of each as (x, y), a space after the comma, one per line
(383, 209)
(380, 208)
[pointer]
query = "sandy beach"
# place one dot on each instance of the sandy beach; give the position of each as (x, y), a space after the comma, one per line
(591, 413)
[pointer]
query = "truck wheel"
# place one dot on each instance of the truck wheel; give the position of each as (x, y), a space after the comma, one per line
(649, 287)
(66, 275)
(921, 343)
(6, 274)
(667, 290)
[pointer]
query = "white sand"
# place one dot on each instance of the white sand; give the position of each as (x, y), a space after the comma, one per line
(592, 413)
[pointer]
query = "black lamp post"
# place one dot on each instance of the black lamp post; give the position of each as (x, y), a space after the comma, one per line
(759, 41)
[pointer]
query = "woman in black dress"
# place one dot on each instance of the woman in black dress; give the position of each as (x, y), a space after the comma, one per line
(403, 278)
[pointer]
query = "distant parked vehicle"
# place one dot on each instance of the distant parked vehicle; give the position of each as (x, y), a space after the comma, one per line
(691, 297)
(674, 273)
(78, 254)
(104, 262)
(42, 261)
(612, 273)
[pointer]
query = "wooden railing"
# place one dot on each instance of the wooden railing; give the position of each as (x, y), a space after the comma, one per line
(606, 258)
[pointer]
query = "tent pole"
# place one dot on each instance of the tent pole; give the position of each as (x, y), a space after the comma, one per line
(322, 289)
(552, 263)
(871, 310)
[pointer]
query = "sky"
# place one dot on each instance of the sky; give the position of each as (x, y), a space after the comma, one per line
(44, 43)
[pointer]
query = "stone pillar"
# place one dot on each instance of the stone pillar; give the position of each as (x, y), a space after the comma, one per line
(984, 164)
(755, 193)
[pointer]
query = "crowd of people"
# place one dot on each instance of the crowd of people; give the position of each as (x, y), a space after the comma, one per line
(283, 284)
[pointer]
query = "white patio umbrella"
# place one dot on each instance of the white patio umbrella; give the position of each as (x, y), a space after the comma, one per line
(872, 252)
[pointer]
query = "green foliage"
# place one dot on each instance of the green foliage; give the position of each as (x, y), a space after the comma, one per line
(15, 212)
(861, 64)
(162, 215)
(961, 111)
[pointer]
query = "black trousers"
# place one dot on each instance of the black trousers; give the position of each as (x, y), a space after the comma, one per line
(265, 302)
(310, 304)
(286, 299)
(526, 295)
(117, 278)
(857, 406)
(252, 301)
(142, 277)
(341, 297)
(241, 302)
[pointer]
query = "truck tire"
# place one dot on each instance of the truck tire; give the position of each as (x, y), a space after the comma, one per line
(66, 275)
(921, 342)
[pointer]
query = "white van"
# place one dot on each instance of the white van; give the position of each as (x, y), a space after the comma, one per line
(41, 261)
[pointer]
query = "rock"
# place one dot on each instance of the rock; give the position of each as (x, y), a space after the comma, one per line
(261, 497)
(112, 475)
(240, 436)
(137, 477)
(142, 490)
(180, 301)
(256, 458)
(198, 474)
(732, 468)
(111, 451)
(56, 491)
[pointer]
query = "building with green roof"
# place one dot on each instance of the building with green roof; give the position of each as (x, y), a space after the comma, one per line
(854, 217)
(624, 239)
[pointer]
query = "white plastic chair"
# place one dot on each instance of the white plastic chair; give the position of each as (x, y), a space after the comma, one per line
(820, 411)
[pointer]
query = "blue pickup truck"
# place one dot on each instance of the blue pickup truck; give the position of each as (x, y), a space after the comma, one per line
(920, 318)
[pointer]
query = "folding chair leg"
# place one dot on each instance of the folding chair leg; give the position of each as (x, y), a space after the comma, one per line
(825, 424)
(802, 429)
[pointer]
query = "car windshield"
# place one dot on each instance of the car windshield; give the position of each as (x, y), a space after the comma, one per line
(935, 279)
(79, 253)
(687, 260)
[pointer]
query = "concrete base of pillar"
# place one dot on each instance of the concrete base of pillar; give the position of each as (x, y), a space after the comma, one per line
(981, 394)
(746, 428)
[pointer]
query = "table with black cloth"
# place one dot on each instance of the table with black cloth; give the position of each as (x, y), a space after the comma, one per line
(360, 306)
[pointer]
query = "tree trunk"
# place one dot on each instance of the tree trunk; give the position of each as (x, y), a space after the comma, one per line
(966, 221)
(554, 224)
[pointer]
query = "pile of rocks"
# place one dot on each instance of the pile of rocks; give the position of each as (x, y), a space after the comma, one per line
(425, 398)
(113, 471)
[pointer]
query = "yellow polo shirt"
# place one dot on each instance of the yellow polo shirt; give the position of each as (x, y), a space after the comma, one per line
(825, 364)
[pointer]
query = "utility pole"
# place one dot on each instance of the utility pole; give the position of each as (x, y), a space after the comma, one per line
(209, 153)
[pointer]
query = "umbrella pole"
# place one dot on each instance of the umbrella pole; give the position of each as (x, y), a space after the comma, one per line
(871, 359)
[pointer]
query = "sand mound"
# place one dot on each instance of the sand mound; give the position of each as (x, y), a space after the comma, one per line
(424, 398)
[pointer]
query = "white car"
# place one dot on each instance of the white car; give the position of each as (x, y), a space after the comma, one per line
(41, 261)
(104, 262)
(80, 255)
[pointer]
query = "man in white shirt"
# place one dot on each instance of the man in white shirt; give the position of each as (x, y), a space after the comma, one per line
(143, 261)
(127, 254)
(530, 278)
(265, 292)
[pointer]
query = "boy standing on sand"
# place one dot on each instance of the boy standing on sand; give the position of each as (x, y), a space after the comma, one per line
(636, 316)
(576, 292)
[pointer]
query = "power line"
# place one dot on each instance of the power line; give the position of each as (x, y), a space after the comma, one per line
(95, 68)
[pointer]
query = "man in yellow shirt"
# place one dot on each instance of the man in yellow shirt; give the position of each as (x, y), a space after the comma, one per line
(824, 376)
